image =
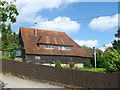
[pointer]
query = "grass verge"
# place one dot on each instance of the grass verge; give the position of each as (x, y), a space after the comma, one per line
(92, 69)
(4, 57)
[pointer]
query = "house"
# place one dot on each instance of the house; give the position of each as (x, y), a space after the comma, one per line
(43, 46)
(105, 52)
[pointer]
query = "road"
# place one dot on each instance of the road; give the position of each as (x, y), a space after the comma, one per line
(15, 82)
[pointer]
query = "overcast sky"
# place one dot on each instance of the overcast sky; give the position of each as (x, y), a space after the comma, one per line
(88, 23)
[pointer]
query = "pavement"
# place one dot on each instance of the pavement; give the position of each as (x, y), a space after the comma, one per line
(16, 82)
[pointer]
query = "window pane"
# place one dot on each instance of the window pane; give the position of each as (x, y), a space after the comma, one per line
(63, 47)
(37, 57)
(49, 46)
(60, 47)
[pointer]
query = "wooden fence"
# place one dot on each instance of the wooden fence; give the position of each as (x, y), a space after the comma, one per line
(60, 75)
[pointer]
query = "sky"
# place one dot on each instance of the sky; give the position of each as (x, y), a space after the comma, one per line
(88, 23)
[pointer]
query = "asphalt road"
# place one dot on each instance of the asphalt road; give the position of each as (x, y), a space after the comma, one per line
(15, 82)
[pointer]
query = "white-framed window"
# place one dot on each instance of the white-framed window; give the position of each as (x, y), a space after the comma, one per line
(37, 57)
(49, 47)
(63, 47)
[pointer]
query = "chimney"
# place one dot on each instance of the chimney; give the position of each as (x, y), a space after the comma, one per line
(35, 31)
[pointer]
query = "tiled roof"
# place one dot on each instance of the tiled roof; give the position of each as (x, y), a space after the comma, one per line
(31, 42)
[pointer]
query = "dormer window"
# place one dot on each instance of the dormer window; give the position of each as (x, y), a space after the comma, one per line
(49, 47)
(63, 47)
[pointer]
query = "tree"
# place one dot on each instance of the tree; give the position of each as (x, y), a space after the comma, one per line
(8, 16)
(86, 48)
(0, 43)
(116, 43)
(8, 11)
(99, 59)
(87, 64)
(112, 61)
(15, 38)
(12, 48)
(6, 35)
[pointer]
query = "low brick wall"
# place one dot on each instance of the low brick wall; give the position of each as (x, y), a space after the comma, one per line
(65, 76)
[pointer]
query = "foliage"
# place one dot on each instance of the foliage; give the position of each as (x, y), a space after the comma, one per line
(12, 48)
(11, 44)
(0, 43)
(72, 65)
(15, 38)
(116, 43)
(9, 11)
(76, 68)
(58, 64)
(4, 57)
(92, 69)
(112, 61)
(8, 16)
(99, 59)
(86, 48)
(6, 35)
(67, 67)
(87, 64)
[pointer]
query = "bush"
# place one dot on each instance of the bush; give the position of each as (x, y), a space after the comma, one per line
(87, 64)
(12, 55)
(76, 68)
(112, 61)
(58, 64)
(72, 64)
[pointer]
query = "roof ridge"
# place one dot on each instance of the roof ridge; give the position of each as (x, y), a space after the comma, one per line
(42, 30)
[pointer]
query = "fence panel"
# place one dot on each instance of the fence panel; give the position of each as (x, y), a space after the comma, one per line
(65, 76)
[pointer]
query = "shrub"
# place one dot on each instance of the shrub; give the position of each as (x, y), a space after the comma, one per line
(76, 68)
(112, 61)
(12, 55)
(58, 64)
(72, 64)
(87, 64)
